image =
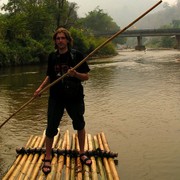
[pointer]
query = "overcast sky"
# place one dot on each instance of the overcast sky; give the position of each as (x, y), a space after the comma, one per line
(122, 11)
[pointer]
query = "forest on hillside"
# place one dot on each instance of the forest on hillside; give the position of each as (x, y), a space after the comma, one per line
(166, 17)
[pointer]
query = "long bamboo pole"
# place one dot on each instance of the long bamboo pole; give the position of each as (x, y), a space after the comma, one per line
(85, 59)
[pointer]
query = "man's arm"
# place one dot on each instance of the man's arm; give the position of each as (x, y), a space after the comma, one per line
(44, 83)
(78, 75)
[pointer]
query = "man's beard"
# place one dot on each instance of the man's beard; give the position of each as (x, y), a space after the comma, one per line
(62, 46)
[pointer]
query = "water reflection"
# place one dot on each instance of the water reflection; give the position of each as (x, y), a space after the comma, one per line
(134, 98)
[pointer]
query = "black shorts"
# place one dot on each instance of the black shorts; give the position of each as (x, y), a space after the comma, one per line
(75, 110)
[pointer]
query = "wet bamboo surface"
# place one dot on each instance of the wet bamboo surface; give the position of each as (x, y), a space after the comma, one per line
(65, 166)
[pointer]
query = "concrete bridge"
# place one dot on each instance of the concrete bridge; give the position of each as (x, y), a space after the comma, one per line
(147, 33)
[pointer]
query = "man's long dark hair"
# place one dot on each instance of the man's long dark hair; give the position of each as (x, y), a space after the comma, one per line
(67, 35)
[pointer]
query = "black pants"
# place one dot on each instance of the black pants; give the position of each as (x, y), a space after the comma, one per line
(56, 107)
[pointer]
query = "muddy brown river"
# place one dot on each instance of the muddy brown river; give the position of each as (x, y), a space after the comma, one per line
(134, 98)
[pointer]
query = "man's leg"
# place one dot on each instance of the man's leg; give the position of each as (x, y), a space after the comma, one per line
(47, 160)
(81, 138)
(76, 111)
(49, 142)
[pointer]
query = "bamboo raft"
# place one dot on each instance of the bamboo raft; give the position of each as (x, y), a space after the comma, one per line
(65, 162)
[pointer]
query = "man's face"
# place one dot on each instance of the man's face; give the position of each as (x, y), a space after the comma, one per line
(61, 41)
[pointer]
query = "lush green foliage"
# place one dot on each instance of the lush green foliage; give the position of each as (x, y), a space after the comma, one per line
(27, 27)
(100, 23)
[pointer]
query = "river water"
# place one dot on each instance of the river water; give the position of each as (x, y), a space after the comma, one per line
(134, 98)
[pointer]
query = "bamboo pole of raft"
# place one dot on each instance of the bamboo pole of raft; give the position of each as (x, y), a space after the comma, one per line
(8, 174)
(37, 167)
(86, 168)
(110, 160)
(85, 59)
(54, 161)
(78, 161)
(42, 175)
(68, 164)
(99, 160)
(39, 162)
(105, 161)
(73, 160)
(35, 159)
(61, 158)
(22, 161)
(93, 166)
(28, 161)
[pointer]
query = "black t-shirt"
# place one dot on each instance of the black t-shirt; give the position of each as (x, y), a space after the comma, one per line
(58, 64)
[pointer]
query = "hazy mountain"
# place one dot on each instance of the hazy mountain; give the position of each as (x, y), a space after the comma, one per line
(159, 19)
(125, 11)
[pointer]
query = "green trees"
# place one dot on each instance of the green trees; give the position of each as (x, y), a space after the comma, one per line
(99, 22)
(91, 31)
(27, 27)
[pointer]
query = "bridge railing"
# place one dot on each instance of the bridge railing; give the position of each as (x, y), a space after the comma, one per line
(144, 32)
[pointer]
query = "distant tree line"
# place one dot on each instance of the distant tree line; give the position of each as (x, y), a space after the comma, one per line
(166, 41)
(27, 26)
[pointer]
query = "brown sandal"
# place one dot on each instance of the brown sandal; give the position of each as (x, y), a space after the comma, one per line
(48, 167)
(84, 160)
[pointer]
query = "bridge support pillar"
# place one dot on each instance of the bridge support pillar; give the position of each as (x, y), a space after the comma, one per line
(178, 42)
(140, 47)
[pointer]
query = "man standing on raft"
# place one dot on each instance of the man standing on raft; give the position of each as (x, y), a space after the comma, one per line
(66, 94)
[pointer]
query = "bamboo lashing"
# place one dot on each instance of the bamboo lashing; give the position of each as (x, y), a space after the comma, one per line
(84, 60)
